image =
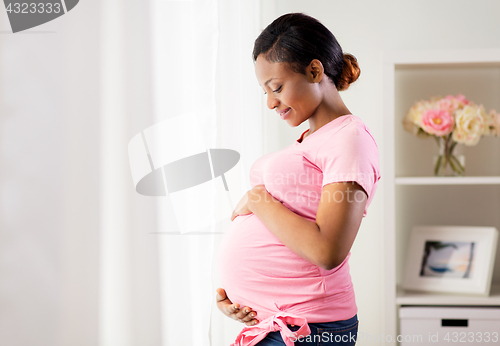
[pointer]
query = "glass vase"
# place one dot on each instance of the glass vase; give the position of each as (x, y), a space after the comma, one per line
(449, 162)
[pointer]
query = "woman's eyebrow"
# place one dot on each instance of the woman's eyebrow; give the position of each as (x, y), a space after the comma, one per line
(270, 79)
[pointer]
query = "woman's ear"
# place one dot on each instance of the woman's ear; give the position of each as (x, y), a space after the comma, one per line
(315, 71)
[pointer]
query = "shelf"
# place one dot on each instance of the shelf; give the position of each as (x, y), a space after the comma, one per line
(405, 297)
(465, 57)
(412, 195)
(493, 180)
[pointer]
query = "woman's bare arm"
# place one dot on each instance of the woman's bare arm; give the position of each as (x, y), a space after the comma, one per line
(325, 242)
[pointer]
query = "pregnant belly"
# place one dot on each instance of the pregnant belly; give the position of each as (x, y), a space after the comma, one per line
(257, 270)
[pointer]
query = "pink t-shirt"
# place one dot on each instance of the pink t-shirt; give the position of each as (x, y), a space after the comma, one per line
(259, 271)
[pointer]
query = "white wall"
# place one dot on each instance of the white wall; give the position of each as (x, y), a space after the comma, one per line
(366, 28)
(48, 129)
(50, 182)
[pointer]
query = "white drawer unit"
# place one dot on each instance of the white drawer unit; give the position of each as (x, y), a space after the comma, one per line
(412, 194)
(433, 325)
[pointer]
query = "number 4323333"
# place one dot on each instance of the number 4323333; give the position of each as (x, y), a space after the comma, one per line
(34, 7)
(471, 337)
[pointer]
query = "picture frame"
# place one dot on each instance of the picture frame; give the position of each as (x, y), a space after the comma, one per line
(452, 259)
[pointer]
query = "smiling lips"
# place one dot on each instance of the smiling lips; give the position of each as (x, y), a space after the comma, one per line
(284, 113)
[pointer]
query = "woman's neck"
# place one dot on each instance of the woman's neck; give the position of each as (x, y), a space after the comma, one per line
(329, 109)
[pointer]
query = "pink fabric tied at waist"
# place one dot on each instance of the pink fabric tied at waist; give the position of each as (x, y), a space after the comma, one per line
(250, 336)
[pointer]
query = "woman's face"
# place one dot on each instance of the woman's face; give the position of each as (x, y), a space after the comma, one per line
(295, 96)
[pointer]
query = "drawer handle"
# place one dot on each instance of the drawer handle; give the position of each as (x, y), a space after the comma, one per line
(446, 322)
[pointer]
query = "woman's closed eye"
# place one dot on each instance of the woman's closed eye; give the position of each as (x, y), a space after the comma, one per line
(275, 91)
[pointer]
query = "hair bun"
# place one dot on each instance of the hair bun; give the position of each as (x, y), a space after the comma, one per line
(350, 72)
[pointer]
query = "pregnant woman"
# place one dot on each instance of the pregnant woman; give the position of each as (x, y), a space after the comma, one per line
(284, 258)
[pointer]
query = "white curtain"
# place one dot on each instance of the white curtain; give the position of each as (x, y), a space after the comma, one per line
(129, 294)
(198, 57)
(202, 64)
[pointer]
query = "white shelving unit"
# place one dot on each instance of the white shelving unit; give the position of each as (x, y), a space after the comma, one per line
(404, 297)
(412, 195)
(447, 180)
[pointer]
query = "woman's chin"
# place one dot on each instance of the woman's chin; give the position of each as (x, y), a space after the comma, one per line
(292, 122)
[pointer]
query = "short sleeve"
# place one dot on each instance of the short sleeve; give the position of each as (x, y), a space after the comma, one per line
(350, 154)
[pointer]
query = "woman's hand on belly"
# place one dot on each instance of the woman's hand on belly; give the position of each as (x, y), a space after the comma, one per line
(255, 194)
(245, 315)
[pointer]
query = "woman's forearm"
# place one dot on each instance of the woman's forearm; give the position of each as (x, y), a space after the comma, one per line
(297, 233)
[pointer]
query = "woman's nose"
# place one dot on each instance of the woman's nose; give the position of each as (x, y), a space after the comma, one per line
(272, 102)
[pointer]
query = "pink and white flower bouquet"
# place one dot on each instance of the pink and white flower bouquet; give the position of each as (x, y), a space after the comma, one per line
(451, 120)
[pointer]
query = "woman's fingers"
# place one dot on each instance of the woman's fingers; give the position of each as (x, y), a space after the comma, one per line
(221, 294)
(225, 303)
(252, 322)
(233, 309)
(245, 315)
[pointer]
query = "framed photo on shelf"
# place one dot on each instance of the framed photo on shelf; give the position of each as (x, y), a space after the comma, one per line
(453, 259)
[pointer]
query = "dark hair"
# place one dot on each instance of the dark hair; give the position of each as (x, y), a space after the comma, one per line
(297, 39)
